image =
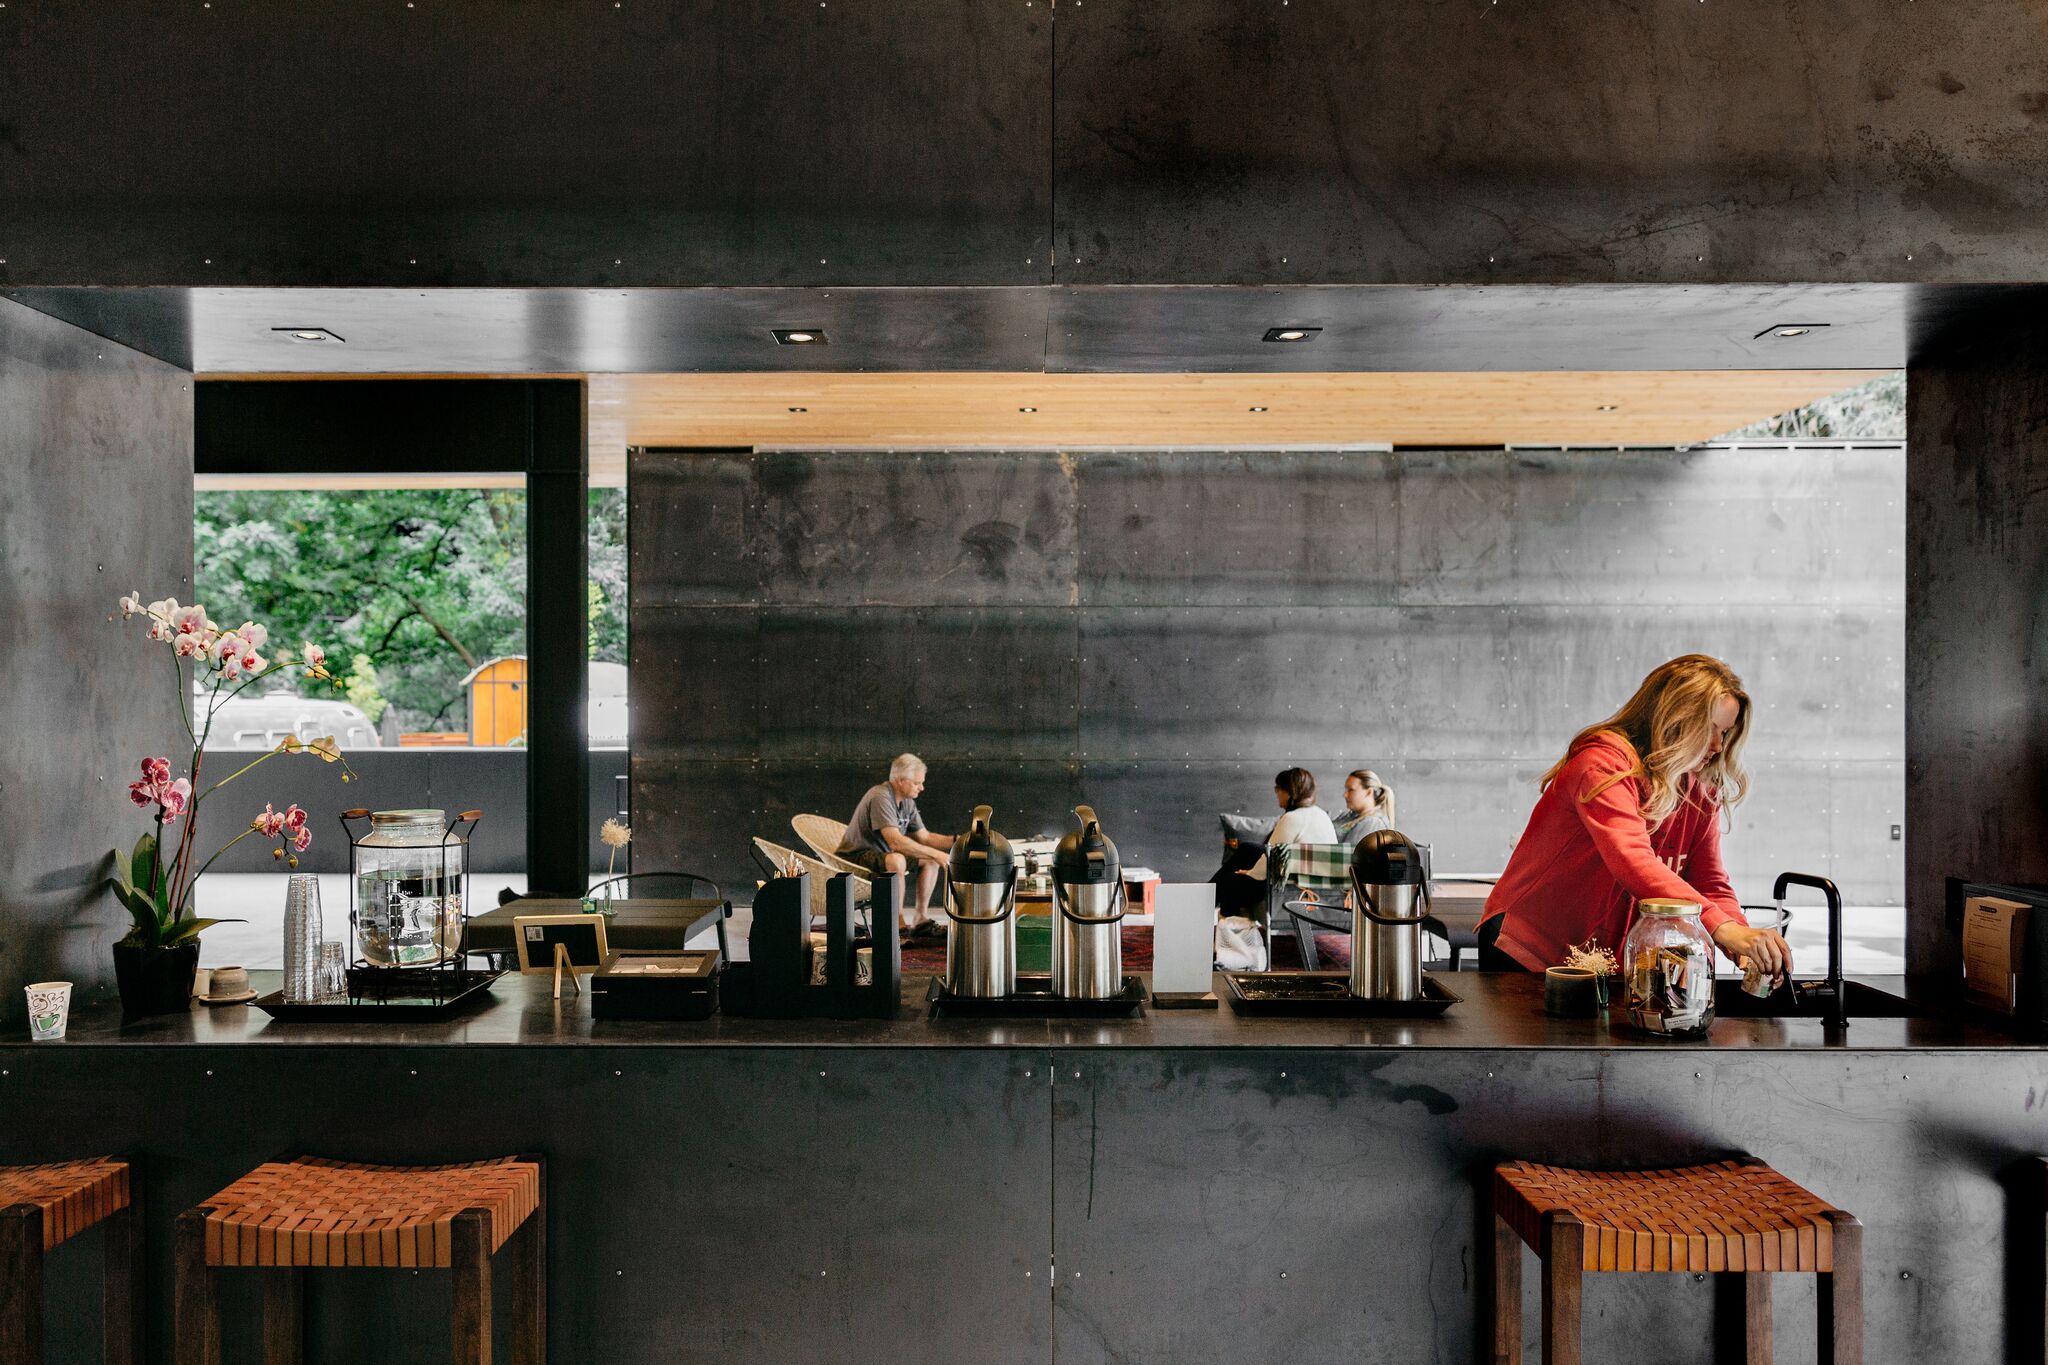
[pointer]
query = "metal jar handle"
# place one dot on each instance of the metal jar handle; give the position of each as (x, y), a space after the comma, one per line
(1009, 905)
(1116, 898)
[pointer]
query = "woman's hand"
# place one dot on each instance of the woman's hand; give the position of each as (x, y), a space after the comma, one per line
(1766, 947)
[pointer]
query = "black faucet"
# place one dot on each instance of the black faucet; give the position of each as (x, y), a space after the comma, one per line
(1833, 994)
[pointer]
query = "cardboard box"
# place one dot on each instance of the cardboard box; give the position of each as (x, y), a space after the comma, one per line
(1994, 951)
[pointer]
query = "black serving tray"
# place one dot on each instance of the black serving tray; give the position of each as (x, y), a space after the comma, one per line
(1034, 1000)
(462, 991)
(1327, 993)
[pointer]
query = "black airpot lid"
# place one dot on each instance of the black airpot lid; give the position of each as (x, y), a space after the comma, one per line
(1387, 857)
(1086, 857)
(981, 854)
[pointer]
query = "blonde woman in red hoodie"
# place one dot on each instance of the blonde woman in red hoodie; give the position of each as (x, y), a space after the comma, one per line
(1633, 811)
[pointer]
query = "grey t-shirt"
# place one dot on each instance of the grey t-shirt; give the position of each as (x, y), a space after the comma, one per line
(880, 809)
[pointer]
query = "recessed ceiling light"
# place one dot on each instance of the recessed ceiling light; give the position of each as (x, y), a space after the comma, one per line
(799, 409)
(309, 334)
(1292, 333)
(1607, 407)
(1257, 409)
(1788, 330)
(799, 336)
(1027, 409)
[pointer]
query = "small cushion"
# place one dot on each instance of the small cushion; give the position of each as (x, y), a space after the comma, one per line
(1246, 829)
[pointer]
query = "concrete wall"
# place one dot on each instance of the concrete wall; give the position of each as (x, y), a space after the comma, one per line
(95, 502)
(1158, 634)
(490, 780)
(1977, 677)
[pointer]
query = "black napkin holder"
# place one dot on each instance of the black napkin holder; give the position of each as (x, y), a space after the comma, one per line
(775, 981)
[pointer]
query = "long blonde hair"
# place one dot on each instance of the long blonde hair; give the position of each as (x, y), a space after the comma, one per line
(1667, 727)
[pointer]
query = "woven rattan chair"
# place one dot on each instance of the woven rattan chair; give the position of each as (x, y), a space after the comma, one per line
(286, 1217)
(41, 1208)
(1729, 1218)
(824, 834)
(776, 858)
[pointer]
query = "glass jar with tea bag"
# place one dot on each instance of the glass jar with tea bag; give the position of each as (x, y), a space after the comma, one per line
(409, 877)
(1667, 968)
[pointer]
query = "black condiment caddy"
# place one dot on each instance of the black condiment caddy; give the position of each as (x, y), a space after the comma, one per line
(775, 982)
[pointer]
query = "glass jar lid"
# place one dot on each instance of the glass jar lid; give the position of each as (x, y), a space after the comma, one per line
(403, 819)
(1660, 905)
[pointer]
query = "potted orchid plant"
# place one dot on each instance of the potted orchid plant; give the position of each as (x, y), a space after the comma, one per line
(155, 962)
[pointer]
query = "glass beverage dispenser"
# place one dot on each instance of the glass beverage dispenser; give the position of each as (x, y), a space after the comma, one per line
(409, 875)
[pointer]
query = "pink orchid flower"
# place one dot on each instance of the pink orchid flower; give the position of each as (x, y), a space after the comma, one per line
(131, 604)
(269, 823)
(257, 636)
(141, 793)
(175, 799)
(302, 840)
(316, 657)
(156, 771)
(190, 646)
(189, 620)
(294, 818)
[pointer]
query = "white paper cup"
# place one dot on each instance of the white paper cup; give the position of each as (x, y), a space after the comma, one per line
(49, 1010)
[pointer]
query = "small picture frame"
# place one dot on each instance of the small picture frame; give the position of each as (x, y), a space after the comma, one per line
(560, 945)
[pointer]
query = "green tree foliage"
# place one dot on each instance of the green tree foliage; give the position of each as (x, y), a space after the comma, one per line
(427, 583)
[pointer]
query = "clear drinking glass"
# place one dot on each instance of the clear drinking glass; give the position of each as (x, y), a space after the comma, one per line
(333, 971)
(302, 938)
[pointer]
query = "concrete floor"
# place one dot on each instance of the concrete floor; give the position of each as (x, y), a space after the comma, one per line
(1874, 936)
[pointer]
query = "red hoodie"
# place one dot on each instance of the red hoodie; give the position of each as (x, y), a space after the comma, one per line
(1583, 864)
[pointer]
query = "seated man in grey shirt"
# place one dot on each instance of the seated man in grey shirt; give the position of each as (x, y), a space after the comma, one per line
(886, 834)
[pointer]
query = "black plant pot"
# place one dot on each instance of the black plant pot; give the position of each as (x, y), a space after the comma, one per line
(155, 980)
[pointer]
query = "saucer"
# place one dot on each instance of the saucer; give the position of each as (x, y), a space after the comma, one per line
(239, 998)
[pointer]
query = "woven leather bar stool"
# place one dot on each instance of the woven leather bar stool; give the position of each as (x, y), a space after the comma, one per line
(1729, 1218)
(287, 1217)
(41, 1208)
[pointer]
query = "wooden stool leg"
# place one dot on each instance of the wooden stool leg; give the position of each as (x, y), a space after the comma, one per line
(197, 1311)
(470, 1256)
(1564, 1268)
(1841, 1296)
(1507, 1294)
(529, 1248)
(284, 1317)
(21, 1283)
(1742, 1317)
(121, 1302)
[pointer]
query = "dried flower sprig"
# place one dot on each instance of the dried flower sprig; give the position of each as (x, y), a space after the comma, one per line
(1590, 956)
(614, 836)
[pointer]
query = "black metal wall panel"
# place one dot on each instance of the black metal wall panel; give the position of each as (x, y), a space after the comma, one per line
(1323, 1206)
(1200, 620)
(665, 143)
(95, 502)
(1307, 143)
(1977, 656)
(706, 1208)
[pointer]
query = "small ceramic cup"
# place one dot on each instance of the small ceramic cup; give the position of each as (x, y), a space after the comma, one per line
(49, 1010)
(1570, 993)
(228, 982)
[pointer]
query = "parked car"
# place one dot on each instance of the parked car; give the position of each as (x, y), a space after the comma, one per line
(262, 720)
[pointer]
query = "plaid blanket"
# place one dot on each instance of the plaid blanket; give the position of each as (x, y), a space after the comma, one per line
(1320, 867)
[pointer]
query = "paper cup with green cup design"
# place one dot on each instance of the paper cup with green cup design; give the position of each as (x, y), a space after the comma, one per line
(49, 1010)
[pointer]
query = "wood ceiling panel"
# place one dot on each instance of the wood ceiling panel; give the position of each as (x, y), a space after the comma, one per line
(1039, 411)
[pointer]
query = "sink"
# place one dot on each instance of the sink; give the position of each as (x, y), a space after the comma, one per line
(1865, 1002)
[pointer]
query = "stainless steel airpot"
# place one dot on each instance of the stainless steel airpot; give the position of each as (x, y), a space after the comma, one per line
(1088, 912)
(981, 940)
(1390, 895)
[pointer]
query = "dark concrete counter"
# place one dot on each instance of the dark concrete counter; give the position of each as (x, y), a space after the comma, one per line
(1496, 1011)
(1204, 1187)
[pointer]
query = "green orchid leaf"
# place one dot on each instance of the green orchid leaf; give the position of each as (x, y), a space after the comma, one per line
(142, 863)
(148, 931)
(185, 930)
